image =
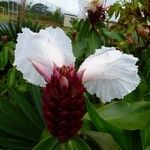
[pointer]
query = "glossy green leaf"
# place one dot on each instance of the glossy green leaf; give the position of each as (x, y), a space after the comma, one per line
(45, 134)
(74, 144)
(87, 125)
(11, 77)
(79, 48)
(16, 128)
(84, 29)
(98, 122)
(129, 116)
(37, 98)
(17, 144)
(3, 58)
(46, 144)
(25, 106)
(93, 43)
(147, 148)
(146, 137)
(103, 126)
(104, 140)
(113, 35)
(79, 144)
(14, 122)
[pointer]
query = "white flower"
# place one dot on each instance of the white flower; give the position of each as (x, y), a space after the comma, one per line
(46, 47)
(108, 73)
(85, 5)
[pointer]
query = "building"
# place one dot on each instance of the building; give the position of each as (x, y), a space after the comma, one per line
(68, 18)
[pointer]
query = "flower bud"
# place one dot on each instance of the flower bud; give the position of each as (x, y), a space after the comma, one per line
(143, 31)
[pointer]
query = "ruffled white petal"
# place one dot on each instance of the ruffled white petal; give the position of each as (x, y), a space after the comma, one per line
(46, 47)
(110, 74)
(85, 5)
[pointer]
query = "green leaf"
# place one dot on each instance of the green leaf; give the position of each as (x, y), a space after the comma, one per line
(87, 125)
(46, 144)
(93, 43)
(79, 48)
(104, 140)
(79, 144)
(45, 134)
(131, 28)
(146, 137)
(84, 29)
(101, 125)
(11, 78)
(37, 98)
(14, 122)
(25, 106)
(74, 144)
(12, 143)
(97, 121)
(147, 148)
(113, 35)
(127, 115)
(113, 9)
(3, 58)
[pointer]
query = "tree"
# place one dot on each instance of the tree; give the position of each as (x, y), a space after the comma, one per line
(39, 8)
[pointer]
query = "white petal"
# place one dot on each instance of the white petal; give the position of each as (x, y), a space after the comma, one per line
(85, 5)
(110, 74)
(46, 47)
(59, 47)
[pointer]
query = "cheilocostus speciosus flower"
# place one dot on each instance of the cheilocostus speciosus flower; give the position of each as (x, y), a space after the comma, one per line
(92, 9)
(46, 59)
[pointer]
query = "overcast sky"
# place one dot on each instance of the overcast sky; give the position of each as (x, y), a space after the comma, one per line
(71, 6)
(68, 5)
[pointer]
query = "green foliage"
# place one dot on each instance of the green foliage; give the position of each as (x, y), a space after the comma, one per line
(103, 126)
(134, 24)
(103, 140)
(146, 138)
(12, 29)
(46, 144)
(127, 115)
(8, 38)
(6, 52)
(53, 144)
(40, 12)
(89, 38)
(57, 16)
(20, 121)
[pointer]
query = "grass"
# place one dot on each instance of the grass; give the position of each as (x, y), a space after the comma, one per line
(3, 18)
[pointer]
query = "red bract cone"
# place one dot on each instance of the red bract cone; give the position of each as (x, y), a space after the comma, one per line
(98, 15)
(63, 103)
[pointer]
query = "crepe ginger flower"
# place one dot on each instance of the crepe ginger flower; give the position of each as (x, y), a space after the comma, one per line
(92, 9)
(46, 59)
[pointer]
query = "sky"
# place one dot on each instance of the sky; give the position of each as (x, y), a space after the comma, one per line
(69, 6)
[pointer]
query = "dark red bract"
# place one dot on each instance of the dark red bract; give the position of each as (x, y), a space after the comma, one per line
(98, 15)
(63, 103)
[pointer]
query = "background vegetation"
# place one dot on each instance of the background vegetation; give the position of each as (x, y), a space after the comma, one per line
(37, 13)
